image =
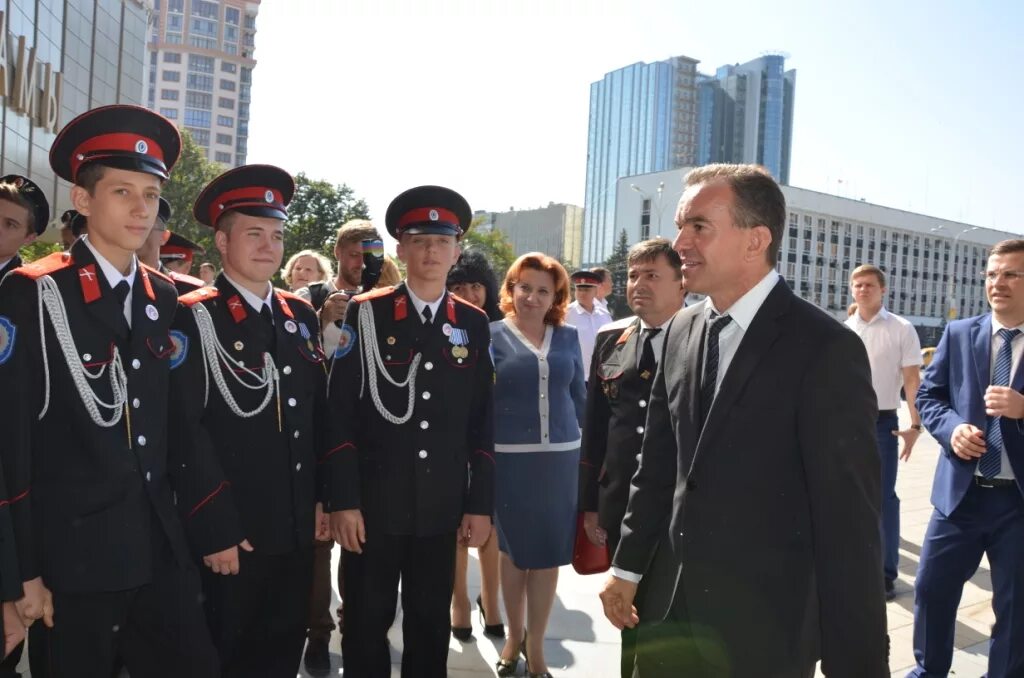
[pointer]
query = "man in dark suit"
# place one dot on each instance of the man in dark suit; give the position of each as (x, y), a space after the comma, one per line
(619, 388)
(754, 512)
(971, 402)
(411, 443)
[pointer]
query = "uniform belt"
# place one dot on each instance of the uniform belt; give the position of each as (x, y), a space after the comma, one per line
(886, 413)
(981, 481)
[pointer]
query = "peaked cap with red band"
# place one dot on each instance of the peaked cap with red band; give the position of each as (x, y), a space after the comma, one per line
(31, 194)
(428, 209)
(120, 136)
(256, 190)
(163, 214)
(585, 278)
(178, 247)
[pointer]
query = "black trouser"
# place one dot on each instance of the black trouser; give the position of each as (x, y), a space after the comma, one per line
(258, 617)
(156, 630)
(321, 617)
(426, 567)
(37, 655)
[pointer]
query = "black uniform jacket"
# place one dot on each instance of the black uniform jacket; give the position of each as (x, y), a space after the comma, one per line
(185, 283)
(419, 477)
(617, 397)
(85, 497)
(256, 476)
(14, 263)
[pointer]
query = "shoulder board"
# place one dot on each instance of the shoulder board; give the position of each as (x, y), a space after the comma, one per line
(156, 273)
(182, 277)
(617, 325)
(468, 305)
(291, 296)
(196, 296)
(45, 266)
(373, 294)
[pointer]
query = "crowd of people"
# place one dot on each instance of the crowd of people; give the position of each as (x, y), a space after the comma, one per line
(182, 454)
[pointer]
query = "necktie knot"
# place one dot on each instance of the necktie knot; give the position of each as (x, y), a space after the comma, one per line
(1007, 334)
(428, 315)
(267, 315)
(718, 323)
(121, 291)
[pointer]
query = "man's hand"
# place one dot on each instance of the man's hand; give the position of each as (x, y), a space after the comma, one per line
(909, 437)
(474, 530)
(14, 629)
(967, 442)
(1003, 401)
(617, 598)
(321, 524)
(333, 308)
(595, 533)
(37, 603)
(226, 561)
(348, 529)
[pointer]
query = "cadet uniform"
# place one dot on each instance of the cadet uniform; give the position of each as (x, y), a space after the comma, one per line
(40, 209)
(248, 389)
(619, 388)
(175, 248)
(88, 479)
(410, 444)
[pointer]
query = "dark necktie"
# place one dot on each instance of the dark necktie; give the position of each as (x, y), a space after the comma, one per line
(991, 462)
(121, 291)
(428, 316)
(716, 324)
(648, 364)
(267, 316)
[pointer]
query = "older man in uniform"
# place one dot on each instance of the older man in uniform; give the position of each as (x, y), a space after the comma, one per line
(625, 360)
(410, 450)
(585, 314)
(101, 550)
(248, 388)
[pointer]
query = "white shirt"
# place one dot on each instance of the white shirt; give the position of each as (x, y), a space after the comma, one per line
(1006, 472)
(419, 304)
(603, 303)
(892, 344)
(657, 341)
(114, 277)
(742, 313)
(254, 301)
(587, 323)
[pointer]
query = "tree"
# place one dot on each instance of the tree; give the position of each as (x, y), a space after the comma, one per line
(37, 249)
(617, 263)
(190, 175)
(315, 213)
(494, 245)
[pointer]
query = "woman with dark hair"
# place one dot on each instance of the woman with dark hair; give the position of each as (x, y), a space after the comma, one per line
(473, 280)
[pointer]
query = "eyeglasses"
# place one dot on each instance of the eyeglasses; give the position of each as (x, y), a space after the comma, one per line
(1009, 276)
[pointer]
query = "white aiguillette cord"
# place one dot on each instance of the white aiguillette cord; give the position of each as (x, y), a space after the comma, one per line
(371, 353)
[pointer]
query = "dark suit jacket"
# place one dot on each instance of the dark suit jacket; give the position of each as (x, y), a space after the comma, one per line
(768, 521)
(952, 393)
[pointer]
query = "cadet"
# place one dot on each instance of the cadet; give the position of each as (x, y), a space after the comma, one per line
(248, 388)
(177, 253)
(24, 213)
(410, 448)
(101, 550)
(149, 253)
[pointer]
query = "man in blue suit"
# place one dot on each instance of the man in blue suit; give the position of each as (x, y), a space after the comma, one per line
(971, 402)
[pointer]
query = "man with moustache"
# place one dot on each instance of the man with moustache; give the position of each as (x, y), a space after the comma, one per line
(619, 388)
(754, 512)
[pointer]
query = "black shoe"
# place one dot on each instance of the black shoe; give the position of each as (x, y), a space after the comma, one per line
(890, 590)
(318, 659)
(495, 630)
(463, 634)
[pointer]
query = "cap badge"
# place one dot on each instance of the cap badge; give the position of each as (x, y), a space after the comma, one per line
(269, 196)
(141, 146)
(433, 215)
(19, 182)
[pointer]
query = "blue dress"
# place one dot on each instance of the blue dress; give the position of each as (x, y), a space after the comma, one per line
(538, 413)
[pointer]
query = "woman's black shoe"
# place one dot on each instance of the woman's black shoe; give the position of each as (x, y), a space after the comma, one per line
(507, 667)
(494, 630)
(462, 634)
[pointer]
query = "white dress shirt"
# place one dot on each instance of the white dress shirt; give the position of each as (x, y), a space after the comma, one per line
(419, 304)
(657, 341)
(114, 277)
(1006, 472)
(253, 300)
(892, 344)
(587, 324)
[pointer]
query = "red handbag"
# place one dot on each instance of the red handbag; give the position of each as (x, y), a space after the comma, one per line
(587, 558)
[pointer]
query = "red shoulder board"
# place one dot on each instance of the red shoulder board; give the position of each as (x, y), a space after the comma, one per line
(182, 277)
(196, 296)
(625, 335)
(45, 266)
(465, 303)
(160, 274)
(291, 296)
(373, 294)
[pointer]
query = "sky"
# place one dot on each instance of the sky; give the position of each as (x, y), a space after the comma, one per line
(909, 104)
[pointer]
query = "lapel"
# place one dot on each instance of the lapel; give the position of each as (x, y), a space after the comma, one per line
(147, 324)
(689, 336)
(10, 266)
(100, 301)
(981, 343)
(627, 350)
(285, 327)
(757, 341)
(241, 317)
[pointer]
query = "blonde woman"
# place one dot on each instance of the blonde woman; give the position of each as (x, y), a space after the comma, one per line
(306, 267)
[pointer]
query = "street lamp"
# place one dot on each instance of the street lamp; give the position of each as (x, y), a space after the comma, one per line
(951, 271)
(656, 203)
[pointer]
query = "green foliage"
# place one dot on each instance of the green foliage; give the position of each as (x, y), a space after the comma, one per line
(494, 245)
(191, 174)
(316, 212)
(37, 249)
(617, 263)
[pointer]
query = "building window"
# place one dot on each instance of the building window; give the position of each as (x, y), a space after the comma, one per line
(172, 38)
(176, 6)
(228, 67)
(225, 158)
(171, 76)
(225, 121)
(169, 113)
(169, 94)
(232, 15)
(199, 100)
(226, 102)
(172, 57)
(201, 83)
(200, 64)
(202, 43)
(205, 9)
(227, 85)
(200, 136)
(196, 118)
(225, 139)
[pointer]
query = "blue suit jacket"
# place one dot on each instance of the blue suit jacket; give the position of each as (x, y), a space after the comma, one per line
(952, 393)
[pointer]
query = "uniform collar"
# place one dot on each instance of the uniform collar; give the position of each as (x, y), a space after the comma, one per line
(254, 301)
(110, 272)
(419, 304)
(663, 326)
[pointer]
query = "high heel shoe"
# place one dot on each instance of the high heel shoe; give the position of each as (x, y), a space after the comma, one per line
(463, 634)
(507, 667)
(494, 630)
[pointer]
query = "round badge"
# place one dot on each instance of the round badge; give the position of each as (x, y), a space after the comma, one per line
(290, 326)
(141, 146)
(433, 215)
(269, 196)
(239, 346)
(446, 329)
(151, 312)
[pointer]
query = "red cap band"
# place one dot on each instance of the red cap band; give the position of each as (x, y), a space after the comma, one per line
(105, 145)
(437, 215)
(250, 196)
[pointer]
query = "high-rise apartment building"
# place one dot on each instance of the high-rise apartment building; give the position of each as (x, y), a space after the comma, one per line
(200, 71)
(655, 117)
(555, 230)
